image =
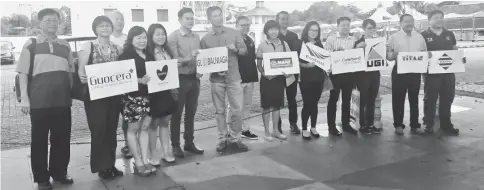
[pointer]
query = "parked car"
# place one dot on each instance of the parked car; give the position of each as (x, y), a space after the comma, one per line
(6, 51)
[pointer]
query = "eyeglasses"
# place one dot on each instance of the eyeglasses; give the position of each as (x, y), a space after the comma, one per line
(314, 31)
(245, 25)
(104, 26)
(51, 21)
(370, 28)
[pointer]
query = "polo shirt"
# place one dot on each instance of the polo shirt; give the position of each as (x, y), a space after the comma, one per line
(119, 41)
(182, 45)
(247, 65)
(269, 47)
(50, 85)
(337, 42)
(445, 41)
(226, 37)
(291, 38)
(402, 42)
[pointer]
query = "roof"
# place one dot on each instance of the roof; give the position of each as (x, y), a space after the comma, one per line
(260, 11)
(462, 9)
(381, 14)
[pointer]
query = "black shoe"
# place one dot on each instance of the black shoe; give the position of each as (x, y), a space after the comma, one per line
(248, 134)
(116, 172)
(44, 185)
(178, 152)
(221, 146)
(295, 129)
(450, 130)
(334, 131)
(350, 130)
(376, 130)
(365, 130)
(66, 180)
(192, 148)
(239, 146)
(126, 153)
(428, 129)
(106, 174)
(314, 133)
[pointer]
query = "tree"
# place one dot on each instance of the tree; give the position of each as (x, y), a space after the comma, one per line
(18, 20)
(297, 18)
(5, 25)
(447, 3)
(34, 21)
(233, 12)
(329, 11)
(401, 7)
(65, 21)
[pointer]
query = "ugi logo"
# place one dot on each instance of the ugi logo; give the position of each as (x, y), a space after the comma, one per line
(375, 59)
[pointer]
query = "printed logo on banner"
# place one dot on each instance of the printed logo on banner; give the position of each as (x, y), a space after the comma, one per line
(206, 61)
(374, 58)
(107, 81)
(281, 63)
(316, 54)
(163, 73)
(445, 61)
(412, 58)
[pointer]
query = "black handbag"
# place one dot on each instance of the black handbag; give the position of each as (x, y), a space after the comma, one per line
(80, 91)
(16, 88)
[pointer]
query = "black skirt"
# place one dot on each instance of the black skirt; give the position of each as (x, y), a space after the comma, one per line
(162, 104)
(272, 92)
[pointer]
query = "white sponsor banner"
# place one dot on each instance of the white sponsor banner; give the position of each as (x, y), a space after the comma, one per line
(314, 54)
(111, 79)
(348, 61)
(163, 75)
(412, 62)
(279, 63)
(212, 60)
(375, 54)
(355, 108)
(446, 62)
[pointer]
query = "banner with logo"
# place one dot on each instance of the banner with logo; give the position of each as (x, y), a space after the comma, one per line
(278, 63)
(348, 61)
(314, 54)
(355, 108)
(446, 62)
(163, 75)
(375, 54)
(412, 62)
(212, 60)
(111, 79)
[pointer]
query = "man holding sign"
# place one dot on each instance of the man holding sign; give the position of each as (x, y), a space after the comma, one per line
(226, 82)
(405, 40)
(440, 85)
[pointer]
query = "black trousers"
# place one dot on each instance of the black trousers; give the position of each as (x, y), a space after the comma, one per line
(102, 118)
(291, 92)
(57, 121)
(401, 85)
(343, 83)
(368, 83)
(187, 99)
(311, 93)
(443, 86)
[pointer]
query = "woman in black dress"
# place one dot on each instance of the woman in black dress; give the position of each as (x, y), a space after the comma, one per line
(163, 103)
(271, 87)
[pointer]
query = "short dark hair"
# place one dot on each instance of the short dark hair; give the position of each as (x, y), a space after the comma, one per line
(270, 24)
(404, 15)
(241, 18)
(44, 12)
(134, 31)
(184, 10)
(435, 12)
(341, 19)
(279, 14)
(98, 20)
(211, 9)
(367, 22)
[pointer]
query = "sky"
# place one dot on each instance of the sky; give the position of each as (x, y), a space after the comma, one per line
(290, 6)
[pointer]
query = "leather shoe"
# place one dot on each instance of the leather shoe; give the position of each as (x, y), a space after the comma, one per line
(116, 172)
(44, 186)
(178, 152)
(193, 149)
(66, 180)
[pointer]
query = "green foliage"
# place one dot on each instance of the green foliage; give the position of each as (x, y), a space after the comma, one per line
(31, 24)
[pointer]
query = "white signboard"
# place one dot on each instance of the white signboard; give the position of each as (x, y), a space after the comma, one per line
(212, 60)
(446, 62)
(314, 54)
(111, 79)
(163, 75)
(279, 63)
(355, 108)
(348, 61)
(375, 54)
(412, 62)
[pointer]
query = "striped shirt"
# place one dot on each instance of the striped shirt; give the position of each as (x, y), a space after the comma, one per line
(338, 43)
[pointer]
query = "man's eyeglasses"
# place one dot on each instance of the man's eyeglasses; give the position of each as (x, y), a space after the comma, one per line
(245, 25)
(370, 28)
(51, 21)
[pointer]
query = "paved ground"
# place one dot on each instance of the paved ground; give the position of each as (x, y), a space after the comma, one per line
(365, 162)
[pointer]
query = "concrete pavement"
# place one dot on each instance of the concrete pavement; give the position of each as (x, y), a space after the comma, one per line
(364, 162)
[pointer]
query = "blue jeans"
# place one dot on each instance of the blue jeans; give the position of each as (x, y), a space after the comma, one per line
(235, 96)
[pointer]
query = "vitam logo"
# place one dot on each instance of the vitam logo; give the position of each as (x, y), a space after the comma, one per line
(281, 62)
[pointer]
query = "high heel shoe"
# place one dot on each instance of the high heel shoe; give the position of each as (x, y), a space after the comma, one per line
(150, 168)
(141, 171)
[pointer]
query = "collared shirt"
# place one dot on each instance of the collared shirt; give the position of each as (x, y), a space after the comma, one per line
(338, 43)
(247, 65)
(269, 47)
(226, 37)
(445, 41)
(402, 42)
(50, 85)
(119, 41)
(182, 46)
(291, 38)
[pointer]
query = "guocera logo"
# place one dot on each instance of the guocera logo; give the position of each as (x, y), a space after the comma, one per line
(281, 62)
(112, 79)
(212, 61)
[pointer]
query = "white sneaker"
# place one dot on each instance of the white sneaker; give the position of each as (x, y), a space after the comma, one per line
(279, 136)
(269, 138)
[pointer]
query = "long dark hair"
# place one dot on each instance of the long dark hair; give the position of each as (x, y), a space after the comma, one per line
(134, 31)
(151, 44)
(305, 37)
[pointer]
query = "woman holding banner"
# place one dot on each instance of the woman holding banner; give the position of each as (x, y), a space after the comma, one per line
(136, 109)
(102, 114)
(271, 87)
(163, 103)
(312, 80)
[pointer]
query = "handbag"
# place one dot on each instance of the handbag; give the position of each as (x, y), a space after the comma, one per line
(16, 88)
(80, 91)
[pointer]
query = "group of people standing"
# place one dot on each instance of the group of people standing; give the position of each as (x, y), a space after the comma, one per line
(46, 88)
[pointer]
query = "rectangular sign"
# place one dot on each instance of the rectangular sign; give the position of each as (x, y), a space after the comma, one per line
(446, 62)
(376, 54)
(212, 60)
(314, 54)
(412, 62)
(163, 75)
(279, 63)
(348, 61)
(111, 79)
(355, 108)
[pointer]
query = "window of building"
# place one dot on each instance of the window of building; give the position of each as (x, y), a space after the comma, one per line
(107, 11)
(138, 15)
(162, 15)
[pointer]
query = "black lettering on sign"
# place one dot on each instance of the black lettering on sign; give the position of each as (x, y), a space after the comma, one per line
(412, 58)
(106, 80)
(376, 63)
(212, 61)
